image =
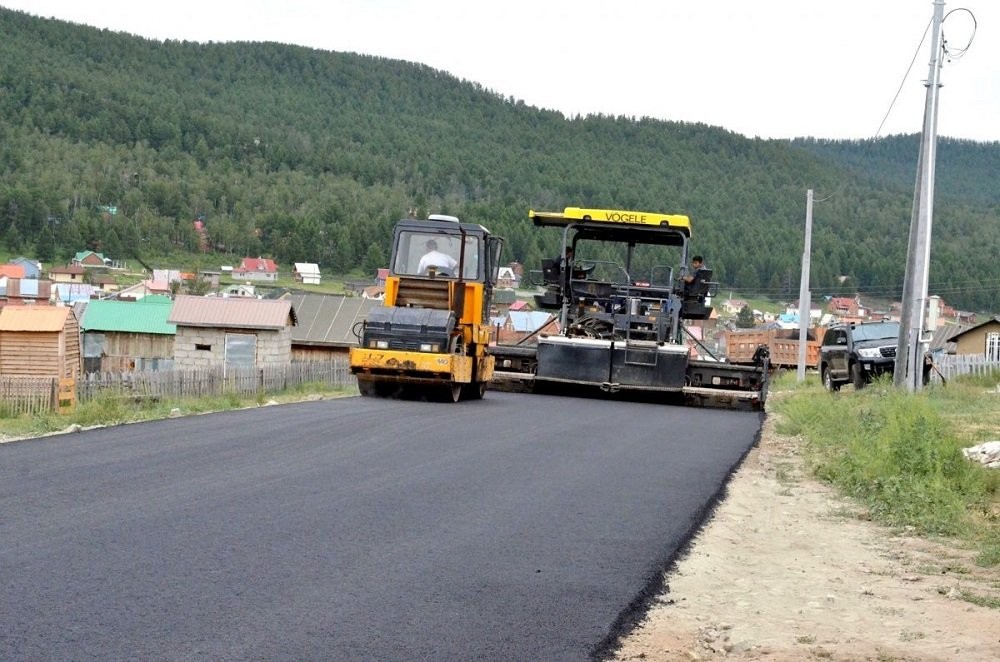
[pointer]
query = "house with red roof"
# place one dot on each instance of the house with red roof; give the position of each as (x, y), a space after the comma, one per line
(11, 271)
(259, 268)
(847, 309)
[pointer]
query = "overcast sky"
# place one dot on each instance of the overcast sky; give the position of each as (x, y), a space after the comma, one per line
(768, 68)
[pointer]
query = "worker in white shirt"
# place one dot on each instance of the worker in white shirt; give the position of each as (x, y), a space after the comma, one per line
(443, 263)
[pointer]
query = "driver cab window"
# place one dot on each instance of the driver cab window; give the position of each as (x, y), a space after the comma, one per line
(473, 258)
(418, 253)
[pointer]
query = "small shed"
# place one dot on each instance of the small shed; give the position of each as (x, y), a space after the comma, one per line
(326, 325)
(237, 332)
(123, 336)
(39, 341)
(307, 273)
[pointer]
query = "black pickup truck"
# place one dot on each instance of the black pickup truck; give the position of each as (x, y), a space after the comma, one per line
(857, 353)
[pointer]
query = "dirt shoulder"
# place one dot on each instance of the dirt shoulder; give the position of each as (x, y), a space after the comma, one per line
(788, 570)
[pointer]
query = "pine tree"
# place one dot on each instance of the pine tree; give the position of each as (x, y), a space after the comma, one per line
(45, 245)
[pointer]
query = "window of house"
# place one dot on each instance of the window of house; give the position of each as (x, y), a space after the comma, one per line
(203, 347)
(993, 346)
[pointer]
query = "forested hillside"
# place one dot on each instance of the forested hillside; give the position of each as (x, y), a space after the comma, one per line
(305, 155)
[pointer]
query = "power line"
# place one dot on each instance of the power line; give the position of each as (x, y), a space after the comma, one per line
(955, 55)
(876, 290)
(903, 82)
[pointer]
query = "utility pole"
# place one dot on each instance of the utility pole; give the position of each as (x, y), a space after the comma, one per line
(909, 363)
(804, 303)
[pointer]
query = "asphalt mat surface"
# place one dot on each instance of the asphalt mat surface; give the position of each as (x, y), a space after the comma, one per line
(518, 527)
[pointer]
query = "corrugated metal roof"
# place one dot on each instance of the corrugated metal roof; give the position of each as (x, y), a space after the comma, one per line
(70, 292)
(29, 287)
(147, 315)
(235, 312)
(525, 321)
(965, 328)
(33, 318)
(73, 269)
(261, 264)
(307, 268)
(327, 319)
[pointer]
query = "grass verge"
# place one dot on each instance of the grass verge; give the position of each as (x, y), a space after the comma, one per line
(114, 409)
(900, 454)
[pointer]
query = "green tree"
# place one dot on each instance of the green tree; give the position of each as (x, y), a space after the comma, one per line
(45, 245)
(13, 239)
(744, 318)
(310, 156)
(374, 258)
(112, 245)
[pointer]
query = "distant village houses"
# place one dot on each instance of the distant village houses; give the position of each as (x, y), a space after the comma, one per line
(307, 273)
(69, 274)
(517, 326)
(506, 278)
(32, 268)
(90, 259)
(257, 269)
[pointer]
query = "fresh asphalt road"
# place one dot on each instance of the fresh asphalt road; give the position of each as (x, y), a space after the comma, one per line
(518, 527)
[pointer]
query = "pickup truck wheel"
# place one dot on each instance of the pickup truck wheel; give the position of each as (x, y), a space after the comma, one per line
(828, 382)
(858, 377)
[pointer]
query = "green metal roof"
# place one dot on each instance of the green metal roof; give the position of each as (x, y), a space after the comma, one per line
(147, 315)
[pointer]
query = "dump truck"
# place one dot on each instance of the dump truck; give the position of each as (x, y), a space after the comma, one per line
(782, 346)
(618, 287)
(430, 337)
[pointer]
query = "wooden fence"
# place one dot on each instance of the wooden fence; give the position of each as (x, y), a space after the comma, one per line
(956, 365)
(28, 395)
(39, 395)
(244, 382)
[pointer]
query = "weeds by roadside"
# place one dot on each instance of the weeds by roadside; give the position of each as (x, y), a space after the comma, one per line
(899, 453)
(114, 408)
